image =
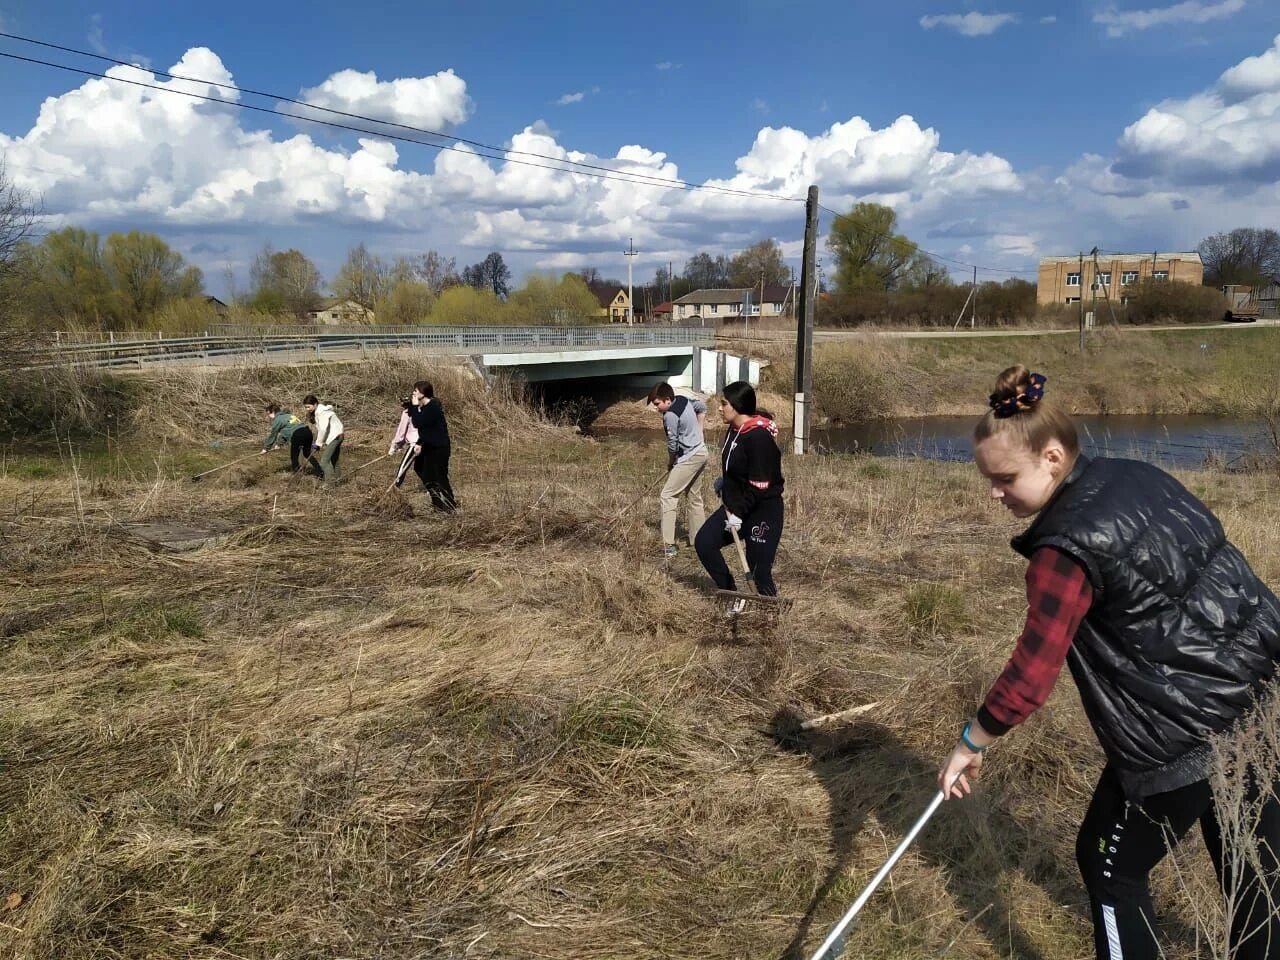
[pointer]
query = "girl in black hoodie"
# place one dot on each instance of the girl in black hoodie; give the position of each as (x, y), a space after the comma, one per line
(431, 452)
(750, 490)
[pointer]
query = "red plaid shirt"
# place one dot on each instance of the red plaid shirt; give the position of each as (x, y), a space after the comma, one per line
(1058, 597)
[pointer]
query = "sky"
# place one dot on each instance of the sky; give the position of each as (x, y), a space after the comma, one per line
(999, 132)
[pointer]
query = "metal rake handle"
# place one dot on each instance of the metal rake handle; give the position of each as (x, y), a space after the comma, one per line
(833, 946)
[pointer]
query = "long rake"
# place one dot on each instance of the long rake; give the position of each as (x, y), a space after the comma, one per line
(401, 472)
(368, 463)
(648, 491)
(223, 467)
(754, 593)
(833, 946)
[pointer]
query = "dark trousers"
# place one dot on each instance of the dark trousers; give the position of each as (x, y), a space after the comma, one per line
(760, 533)
(1120, 843)
(300, 449)
(432, 467)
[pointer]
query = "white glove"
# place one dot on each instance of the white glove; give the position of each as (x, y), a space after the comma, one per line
(732, 522)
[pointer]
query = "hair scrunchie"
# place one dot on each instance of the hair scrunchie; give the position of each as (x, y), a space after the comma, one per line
(1025, 399)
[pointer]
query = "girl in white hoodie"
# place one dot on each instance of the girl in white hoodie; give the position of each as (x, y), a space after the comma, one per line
(328, 441)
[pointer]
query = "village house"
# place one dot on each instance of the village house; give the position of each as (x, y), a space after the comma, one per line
(1063, 280)
(733, 303)
(613, 302)
(335, 311)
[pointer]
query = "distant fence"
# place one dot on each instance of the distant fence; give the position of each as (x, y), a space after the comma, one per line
(263, 341)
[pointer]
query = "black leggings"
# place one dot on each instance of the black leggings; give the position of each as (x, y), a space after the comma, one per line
(432, 467)
(300, 448)
(760, 532)
(1120, 843)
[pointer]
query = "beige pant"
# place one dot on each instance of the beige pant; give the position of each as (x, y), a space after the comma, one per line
(685, 478)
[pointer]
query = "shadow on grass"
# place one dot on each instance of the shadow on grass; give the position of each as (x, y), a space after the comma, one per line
(866, 770)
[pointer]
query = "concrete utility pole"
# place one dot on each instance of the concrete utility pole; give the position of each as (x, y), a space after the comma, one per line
(804, 323)
(1081, 299)
(973, 317)
(630, 253)
(1093, 290)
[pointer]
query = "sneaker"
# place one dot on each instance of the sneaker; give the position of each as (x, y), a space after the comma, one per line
(670, 552)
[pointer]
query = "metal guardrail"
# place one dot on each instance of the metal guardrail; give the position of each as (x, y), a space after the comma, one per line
(439, 340)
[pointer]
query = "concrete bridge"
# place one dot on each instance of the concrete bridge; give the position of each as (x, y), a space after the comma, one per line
(633, 355)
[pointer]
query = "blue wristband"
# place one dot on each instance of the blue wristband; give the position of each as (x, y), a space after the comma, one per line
(964, 738)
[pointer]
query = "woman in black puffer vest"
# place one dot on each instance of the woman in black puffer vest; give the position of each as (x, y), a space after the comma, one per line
(1171, 639)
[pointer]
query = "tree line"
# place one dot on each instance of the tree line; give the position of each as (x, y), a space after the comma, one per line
(134, 279)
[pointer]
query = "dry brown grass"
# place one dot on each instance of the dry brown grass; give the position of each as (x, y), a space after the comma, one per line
(357, 729)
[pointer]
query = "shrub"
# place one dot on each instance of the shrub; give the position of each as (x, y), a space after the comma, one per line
(1154, 302)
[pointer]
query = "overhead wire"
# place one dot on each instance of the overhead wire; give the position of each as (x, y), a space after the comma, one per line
(480, 148)
(487, 151)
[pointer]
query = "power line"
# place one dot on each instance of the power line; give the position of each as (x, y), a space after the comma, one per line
(504, 155)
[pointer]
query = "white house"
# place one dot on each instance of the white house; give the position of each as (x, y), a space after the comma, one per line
(733, 303)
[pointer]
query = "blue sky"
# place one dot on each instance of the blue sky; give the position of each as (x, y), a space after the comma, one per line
(1000, 132)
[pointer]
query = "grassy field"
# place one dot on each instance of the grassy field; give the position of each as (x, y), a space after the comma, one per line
(353, 728)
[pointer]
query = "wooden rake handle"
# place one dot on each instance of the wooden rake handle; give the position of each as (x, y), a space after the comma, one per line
(742, 555)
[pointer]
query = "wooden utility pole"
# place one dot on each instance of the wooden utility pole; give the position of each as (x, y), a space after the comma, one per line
(1106, 291)
(804, 324)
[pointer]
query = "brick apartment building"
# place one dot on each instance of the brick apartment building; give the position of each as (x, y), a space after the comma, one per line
(1061, 279)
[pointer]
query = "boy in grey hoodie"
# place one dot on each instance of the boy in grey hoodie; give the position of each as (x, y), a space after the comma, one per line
(683, 420)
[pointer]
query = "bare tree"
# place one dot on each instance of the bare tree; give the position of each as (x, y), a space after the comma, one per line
(286, 278)
(491, 273)
(17, 223)
(438, 272)
(763, 259)
(362, 278)
(1247, 255)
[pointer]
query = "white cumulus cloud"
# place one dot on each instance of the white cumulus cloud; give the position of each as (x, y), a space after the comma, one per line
(113, 153)
(568, 98)
(972, 24)
(1253, 75)
(1120, 22)
(1229, 133)
(107, 155)
(438, 102)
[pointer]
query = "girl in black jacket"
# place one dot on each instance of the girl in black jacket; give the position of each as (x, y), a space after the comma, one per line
(431, 452)
(750, 489)
(1171, 639)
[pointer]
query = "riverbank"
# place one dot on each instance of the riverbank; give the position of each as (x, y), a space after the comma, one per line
(350, 727)
(1225, 372)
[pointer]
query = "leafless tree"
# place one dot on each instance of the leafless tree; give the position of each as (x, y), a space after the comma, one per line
(17, 223)
(1248, 255)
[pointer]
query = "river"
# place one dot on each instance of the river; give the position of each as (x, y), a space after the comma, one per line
(1170, 441)
(1176, 441)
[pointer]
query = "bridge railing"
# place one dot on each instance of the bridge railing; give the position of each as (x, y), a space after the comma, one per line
(139, 352)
